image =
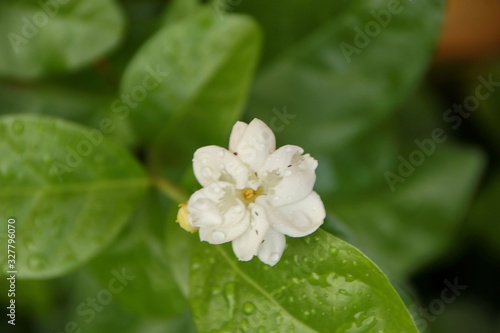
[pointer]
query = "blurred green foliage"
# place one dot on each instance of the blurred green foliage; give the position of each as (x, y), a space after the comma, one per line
(103, 103)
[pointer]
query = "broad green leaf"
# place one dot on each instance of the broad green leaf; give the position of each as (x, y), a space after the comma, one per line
(154, 292)
(192, 77)
(179, 9)
(404, 229)
(93, 305)
(42, 37)
(351, 169)
(331, 96)
(69, 190)
(321, 284)
(86, 108)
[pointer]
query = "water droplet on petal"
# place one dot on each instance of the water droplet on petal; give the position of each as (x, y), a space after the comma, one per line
(206, 172)
(218, 236)
(274, 257)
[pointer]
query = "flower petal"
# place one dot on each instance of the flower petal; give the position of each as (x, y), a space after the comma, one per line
(254, 144)
(215, 206)
(296, 220)
(247, 245)
(288, 176)
(236, 134)
(272, 247)
(214, 163)
(223, 235)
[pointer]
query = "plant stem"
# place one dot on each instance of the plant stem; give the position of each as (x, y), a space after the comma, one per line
(170, 190)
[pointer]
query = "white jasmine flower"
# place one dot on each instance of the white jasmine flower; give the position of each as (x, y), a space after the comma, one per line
(254, 194)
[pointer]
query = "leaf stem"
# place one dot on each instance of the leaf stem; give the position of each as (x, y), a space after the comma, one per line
(170, 190)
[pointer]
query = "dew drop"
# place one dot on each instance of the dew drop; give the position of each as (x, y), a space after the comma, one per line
(206, 172)
(244, 325)
(230, 294)
(344, 292)
(218, 236)
(36, 263)
(248, 308)
(274, 257)
(333, 250)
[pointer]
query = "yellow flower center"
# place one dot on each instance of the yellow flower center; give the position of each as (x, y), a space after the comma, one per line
(249, 194)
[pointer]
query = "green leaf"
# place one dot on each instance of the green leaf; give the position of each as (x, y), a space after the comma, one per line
(93, 305)
(404, 229)
(69, 189)
(154, 292)
(42, 37)
(86, 108)
(321, 284)
(331, 97)
(198, 69)
(179, 9)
